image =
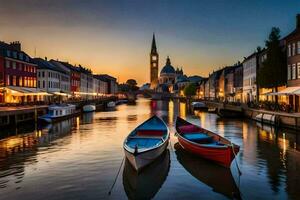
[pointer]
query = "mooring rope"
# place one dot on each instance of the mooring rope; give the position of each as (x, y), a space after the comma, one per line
(111, 188)
(235, 156)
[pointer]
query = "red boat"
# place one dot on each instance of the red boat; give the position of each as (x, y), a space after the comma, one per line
(204, 143)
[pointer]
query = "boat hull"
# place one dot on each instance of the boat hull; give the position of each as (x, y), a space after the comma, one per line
(89, 108)
(58, 119)
(143, 159)
(222, 156)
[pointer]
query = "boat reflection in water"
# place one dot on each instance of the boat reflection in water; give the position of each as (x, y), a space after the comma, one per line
(146, 184)
(217, 177)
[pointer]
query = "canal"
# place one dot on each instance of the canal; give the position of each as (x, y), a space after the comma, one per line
(79, 159)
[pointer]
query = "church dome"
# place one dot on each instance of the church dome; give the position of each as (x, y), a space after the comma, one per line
(168, 68)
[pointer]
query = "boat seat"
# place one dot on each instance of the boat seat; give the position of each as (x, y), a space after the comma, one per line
(198, 137)
(188, 128)
(143, 142)
(150, 132)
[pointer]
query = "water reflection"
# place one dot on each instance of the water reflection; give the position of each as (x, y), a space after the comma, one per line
(217, 177)
(78, 158)
(146, 184)
(88, 118)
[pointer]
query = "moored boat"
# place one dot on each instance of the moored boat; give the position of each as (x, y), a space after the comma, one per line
(146, 142)
(58, 112)
(199, 106)
(89, 108)
(111, 104)
(204, 143)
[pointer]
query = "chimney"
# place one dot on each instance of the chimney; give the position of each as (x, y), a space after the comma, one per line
(46, 58)
(298, 21)
(15, 46)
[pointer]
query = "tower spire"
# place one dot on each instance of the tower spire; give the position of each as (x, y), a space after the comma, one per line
(153, 46)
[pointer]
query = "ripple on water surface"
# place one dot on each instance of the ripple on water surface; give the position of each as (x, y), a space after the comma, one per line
(79, 159)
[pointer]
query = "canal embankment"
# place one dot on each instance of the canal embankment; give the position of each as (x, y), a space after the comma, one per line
(16, 115)
(280, 119)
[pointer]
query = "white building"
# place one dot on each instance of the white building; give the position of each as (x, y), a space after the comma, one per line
(250, 66)
(86, 83)
(51, 78)
(65, 78)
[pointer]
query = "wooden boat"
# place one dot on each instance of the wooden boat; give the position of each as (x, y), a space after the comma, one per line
(199, 106)
(218, 178)
(204, 143)
(59, 112)
(111, 104)
(89, 108)
(146, 184)
(146, 142)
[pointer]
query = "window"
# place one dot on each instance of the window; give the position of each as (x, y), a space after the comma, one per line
(14, 81)
(294, 49)
(294, 71)
(15, 54)
(289, 50)
(7, 80)
(8, 53)
(7, 64)
(298, 47)
(298, 69)
(43, 74)
(14, 65)
(289, 72)
(20, 81)
(43, 84)
(21, 56)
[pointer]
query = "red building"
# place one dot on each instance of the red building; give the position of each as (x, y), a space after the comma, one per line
(17, 74)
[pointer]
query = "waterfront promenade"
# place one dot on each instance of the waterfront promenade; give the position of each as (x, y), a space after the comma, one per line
(288, 120)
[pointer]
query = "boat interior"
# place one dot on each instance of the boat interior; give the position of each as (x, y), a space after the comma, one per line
(197, 135)
(150, 134)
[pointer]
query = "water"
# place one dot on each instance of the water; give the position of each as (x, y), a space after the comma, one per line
(79, 159)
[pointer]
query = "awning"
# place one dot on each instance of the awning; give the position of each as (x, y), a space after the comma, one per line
(25, 91)
(86, 93)
(62, 94)
(287, 91)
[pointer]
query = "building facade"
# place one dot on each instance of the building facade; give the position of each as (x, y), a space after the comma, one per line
(52, 79)
(250, 67)
(74, 73)
(17, 75)
(292, 42)
(238, 83)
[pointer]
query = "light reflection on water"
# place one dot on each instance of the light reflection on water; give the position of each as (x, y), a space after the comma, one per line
(79, 158)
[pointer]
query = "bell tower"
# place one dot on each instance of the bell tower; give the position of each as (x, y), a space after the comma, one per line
(153, 64)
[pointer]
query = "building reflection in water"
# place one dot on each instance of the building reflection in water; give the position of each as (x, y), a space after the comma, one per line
(276, 147)
(20, 150)
(88, 118)
(54, 157)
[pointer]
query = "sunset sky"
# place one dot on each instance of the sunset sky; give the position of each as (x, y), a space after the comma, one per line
(114, 36)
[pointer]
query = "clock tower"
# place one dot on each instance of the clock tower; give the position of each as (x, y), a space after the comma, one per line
(153, 64)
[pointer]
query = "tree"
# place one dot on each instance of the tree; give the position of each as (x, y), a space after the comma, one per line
(132, 84)
(190, 90)
(273, 72)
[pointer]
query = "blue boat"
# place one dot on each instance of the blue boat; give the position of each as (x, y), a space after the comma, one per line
(146, 142)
